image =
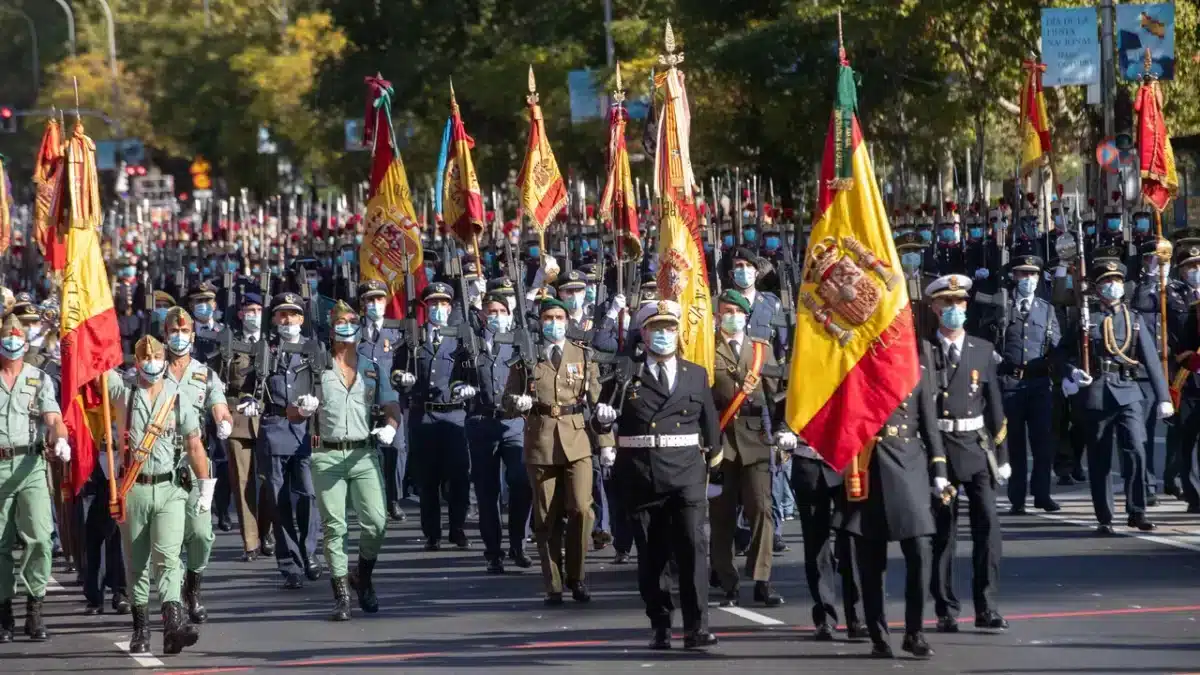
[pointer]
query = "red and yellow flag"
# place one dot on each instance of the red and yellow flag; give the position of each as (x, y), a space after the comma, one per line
(392, 237)
(91, 341)
(462, 200)
(1160, 182)
(47, 166)
(5, 205)
(618, 205)
(682, 271)
(1035, 123)
(853, 314)
(543, 192)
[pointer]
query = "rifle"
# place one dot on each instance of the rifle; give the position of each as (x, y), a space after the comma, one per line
(409, 327)
(520, 337)
(147, 304)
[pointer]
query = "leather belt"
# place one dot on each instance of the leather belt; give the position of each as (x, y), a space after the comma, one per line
(444, 407)
(664, 441)
(155, 479)
(365, 444)
(750, 410)
(964, 424)
(1026, 372)
(490, 413)
(893, 431)
(547, 410)
(19, 451)
(1128, 372)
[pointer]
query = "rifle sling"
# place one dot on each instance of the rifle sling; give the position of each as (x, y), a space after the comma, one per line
(146, 445)
(753, 376)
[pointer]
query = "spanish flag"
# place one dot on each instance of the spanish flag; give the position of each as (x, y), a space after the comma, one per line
(5, 205)
(91, 341)
(618, 205)
(392, 237)
(1160, 182)
(462, 201)
(682, 272)
(47, 166)
(855, 343)
(1035, 123)
(543, 192)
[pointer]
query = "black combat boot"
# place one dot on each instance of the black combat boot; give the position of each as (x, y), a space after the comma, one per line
(360, 581)
(34, 628)
(341, 600)
(191, 597)
(177, 631)
(7, 623)
(139, 643)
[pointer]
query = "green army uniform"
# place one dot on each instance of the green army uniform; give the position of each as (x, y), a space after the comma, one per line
(155, 507)
(200, 389)
(346, 461)
(24, 494)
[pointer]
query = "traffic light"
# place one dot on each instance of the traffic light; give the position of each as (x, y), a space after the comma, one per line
(135, 170)
(200, 178)
(8, 120)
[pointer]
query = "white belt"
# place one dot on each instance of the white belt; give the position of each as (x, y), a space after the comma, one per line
(968, 424)
(652, 441)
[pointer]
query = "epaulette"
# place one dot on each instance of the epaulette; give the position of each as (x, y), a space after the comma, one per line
(33, 381)
(371, 374)
(582, 345)
(760, 340)
(200, 376)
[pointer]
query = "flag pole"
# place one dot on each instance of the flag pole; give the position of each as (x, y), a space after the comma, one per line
(114, 507)
(1162, 248)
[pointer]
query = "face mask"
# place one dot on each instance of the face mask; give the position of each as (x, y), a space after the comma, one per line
(733, 323)
(429, 274)
(1091, 230)
(976, 233)
(1058, 221)
(727, 240)
(910, 261)
(772, 243)
(1113, 224)
(33, 333)
(231, 266)
(926, 235)
(589, 294)
(584, 247)
(358, 239)
(534, 251)
(1142, 225)
(662, 342)
(160, 313)
(499, 323)
(554, 331)
(179, 344)
(129, 272)
(203, 311)
(575, 301)
(13, 347)
(288, 332)
(1113, 290)
(744, 276)
(1026, 286)
(375, 310)
(439, 314)
(345, 332)
(954, 317)
(252, 322)
(750, 236)
(193, 268)
(948, 235)
(1155, 271)
(1193, 277)
(206, 271)
(152, 370)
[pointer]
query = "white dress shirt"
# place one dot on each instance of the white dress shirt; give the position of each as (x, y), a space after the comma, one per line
(670, 365)
(945, 342)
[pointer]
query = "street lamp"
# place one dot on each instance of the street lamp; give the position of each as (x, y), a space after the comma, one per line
(70, 23)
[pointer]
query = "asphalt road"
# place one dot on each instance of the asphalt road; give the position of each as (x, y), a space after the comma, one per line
(1077, 604)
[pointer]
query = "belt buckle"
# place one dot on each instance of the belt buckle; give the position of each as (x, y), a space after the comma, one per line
(555, 410)
(1019, 373)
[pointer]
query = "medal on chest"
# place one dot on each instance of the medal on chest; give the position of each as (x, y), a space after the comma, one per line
(974, 381)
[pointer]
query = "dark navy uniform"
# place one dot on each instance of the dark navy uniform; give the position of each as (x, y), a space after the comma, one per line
(379, 344)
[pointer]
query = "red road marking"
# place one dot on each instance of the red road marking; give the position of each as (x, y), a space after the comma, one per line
(411, 656)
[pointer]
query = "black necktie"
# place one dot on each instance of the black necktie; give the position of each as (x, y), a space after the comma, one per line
(953, 354)
(662, 377)
(556, 356)
(736, 345)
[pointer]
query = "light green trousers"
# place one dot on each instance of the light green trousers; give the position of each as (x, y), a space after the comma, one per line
(152, 535)
(198, 533)
(336, 474)
(25, 509)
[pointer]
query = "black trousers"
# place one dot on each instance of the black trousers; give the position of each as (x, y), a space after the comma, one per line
(1124, 427)
(103, 562)
(295, 507)
(1187, 459)
(491, 448)
(1073, 435)
(673, 528)
(828, 556)
(441, 455)
(985, 549)
(872, 564)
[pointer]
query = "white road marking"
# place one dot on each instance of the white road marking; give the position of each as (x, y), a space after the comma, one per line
(53, 585)
(751, 615)
(143, 660)
(1188, 543)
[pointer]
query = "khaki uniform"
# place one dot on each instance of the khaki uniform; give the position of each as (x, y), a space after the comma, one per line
(200, 389)
(558, 458)
(251, 492)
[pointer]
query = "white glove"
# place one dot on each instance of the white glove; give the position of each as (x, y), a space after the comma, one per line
(605, 414)
(549, 266)
(207, 487)
(522, 402)
(1165, 410)
(248, 407)
(1005, 471)
(786, 440)
(617, 304)
(1060, 271)
(307, 403)
(463, 391)
(982, 273)
(940, 484)
(1080, 377)
(406, 378)
(1069, 387)
(386, 434)
(62, 450)
(607, 457)
(224, 429)
(996, 357)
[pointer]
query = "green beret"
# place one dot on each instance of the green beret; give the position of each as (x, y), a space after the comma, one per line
(735, 298)
(552, 303)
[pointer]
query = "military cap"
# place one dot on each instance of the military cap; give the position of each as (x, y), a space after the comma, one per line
(549, 303)
(650, 284)
(591, 272)
(735, 298)
(949, 286)
(178, 316)
(1102, 269)
(50, 316)
(470, 269)
(372, 289)
(496, 296)
(287, 302)
(744, 253)
(909, 241)
(665, 311)
(24, 309)
(341, 310)
(1026, 263)
(502, 286)
(1186, 236)
(252, 297)
(205, 290)
(1105, 253)
(647, 295)
(1188, 254)
(163, 296)
(148, 347)
(438, 290)
(572, 281)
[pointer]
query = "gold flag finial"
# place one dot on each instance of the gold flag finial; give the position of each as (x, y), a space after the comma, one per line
(619, 94)
(453, 100)
(1147, 63)
(670, 59)
(532, 98)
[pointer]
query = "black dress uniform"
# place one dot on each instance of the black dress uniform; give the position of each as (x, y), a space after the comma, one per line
(380, 342)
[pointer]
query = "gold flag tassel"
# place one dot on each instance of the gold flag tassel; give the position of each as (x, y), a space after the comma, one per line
(5, 204)
(83, 183)
(857, 478)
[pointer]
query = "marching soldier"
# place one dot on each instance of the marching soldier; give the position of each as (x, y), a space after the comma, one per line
(558, 451)
(203, 299)
(345, 461)
(973, 433)
(379, 345)
(162, 430)
(28, 401)
(663, 475)
(1180, 475)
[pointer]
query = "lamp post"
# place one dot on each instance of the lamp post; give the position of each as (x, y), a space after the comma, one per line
(70, 23)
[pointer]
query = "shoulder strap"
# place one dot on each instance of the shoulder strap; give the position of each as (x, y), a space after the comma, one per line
(757, 359)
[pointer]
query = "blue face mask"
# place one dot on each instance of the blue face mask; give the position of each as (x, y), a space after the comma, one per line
(910, 261)
(252, 322)
(947, 235)
(439, 314)
(499, 323)
(727, 240)
(1192, 276)
(976, 232)
(750, 236)
(772, 243)
(535, 251)
(584, 246)
(231, 266)
(488, 258)
(13, 347)
(1113, 224)
(954, 317)
(129, 271)
(926, 235)
(663, 342)
(554, 331)
(193, 268)
(1058, 221)
(589, 294)
(375, 310)
(595, 244)
(179, 344)
(203, 311)
(744, 277)
(1112, 290)
(575, 300)
(160, 313)
(1026, 286)
(429, 274)
(1090, 229)
(206, 271)
(1142, 225)
(733, 323)
(358, 238)
(345, 332)
(288, 332)
(152, 370)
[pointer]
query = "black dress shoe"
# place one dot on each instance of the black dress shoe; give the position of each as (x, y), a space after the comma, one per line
(661, 639)
(1079, 476)
(1138, 521)
(249, 556)
(779, 545)
(882, 650)
(1066, 481)
(1015, 510)
(395, 512)
(855, 630)
(823, 633)
(553, 599)
(915, 644)
(991, 620)
(741, 552)
(120, 604)
(224, 524)
(71, 568)
(459, 539)
(268, 546)
(766, 595)
(579, 591)
(1174, 490)
(731, 599)
(433, 545)
(520, 559)
(293, 582)
(495, 566)
(1193, 508)
(947, 624)
(698, 639)
(313, 571)
(1151, 499)
(601, 540)
(621, 558)
(714, 579)
(93, 609)
(1105, 529)
(1049, 506)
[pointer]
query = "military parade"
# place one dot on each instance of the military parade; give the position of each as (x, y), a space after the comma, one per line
(520, 426)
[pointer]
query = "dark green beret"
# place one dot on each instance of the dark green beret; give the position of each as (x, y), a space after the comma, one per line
(735, 298)
(552, 303)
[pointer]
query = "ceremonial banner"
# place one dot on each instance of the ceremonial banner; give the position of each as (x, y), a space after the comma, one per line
(855, 345)
(392, 235)
(5, 205)
(618, 205)
(1160, 182)
(47, 166)
(543, 192)
(462, 201)
(682, 272)
(91, 341)
(1035, 125)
